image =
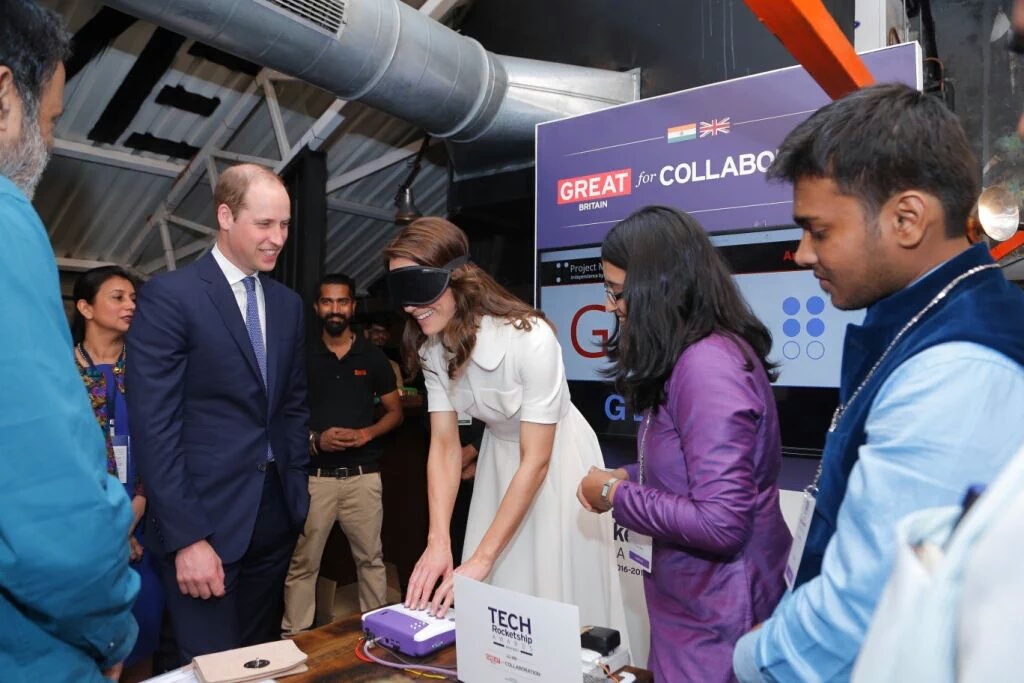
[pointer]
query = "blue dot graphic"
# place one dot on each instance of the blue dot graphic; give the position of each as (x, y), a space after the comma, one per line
(791, 327)
(815, 305)
(815, 327)
(791, 306)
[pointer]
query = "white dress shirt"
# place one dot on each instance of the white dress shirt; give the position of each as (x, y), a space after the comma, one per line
(234, 276)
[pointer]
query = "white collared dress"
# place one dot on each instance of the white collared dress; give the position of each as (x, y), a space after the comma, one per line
(560, 551)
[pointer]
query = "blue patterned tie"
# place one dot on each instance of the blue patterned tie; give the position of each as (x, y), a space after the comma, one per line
(252, 325)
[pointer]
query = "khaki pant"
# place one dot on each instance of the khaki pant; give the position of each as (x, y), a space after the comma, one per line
(355, 503)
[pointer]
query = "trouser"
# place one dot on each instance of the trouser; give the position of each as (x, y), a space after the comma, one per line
(355, 504)
(249, 613)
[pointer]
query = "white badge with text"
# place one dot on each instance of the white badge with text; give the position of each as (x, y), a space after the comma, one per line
(121, 458)
(634, 552)
(796, 551)
(502, 635)
(122, 449)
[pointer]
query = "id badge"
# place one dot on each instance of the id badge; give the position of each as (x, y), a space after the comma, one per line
(640, 551)
(465, 419)
(121, 447)
(796, 551)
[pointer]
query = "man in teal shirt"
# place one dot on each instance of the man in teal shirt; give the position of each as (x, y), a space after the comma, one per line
(66, 590)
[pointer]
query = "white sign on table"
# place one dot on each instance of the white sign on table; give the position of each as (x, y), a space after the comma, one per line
(503, 635)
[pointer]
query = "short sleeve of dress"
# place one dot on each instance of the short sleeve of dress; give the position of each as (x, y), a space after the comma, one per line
(542, 373)
(435, 377)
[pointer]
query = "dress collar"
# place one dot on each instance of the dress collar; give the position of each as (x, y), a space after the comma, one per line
(492, 341)
(493, 338)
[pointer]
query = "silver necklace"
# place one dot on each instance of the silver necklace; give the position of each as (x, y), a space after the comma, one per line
(643, 447)
(841, 408)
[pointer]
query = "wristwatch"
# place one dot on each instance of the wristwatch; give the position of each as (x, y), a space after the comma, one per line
(607, 489)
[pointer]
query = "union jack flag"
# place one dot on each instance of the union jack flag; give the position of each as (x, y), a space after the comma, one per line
(715, 127)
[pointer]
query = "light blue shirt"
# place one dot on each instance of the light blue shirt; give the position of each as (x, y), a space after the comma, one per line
(946, 418)
(66, 589)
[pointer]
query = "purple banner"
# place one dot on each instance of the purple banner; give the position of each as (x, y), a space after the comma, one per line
(703, 150)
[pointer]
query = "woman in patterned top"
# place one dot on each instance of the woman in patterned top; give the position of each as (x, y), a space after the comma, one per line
(104, 306)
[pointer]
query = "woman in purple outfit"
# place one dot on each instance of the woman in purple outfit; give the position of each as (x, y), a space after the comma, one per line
(690, 355)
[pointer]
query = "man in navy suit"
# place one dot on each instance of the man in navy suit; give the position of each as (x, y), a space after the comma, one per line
(217, 398)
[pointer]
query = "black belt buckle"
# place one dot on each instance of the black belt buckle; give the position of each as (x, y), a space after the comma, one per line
(340, 472)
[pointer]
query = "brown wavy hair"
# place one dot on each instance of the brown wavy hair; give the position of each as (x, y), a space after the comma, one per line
(433, 242)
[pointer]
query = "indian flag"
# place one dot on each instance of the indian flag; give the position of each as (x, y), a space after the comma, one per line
(687, 131)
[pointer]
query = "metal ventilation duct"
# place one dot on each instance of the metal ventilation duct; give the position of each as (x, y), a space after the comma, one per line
(392, 57)
(327, 14)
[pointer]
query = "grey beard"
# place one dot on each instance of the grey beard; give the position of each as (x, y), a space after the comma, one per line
(24, 161)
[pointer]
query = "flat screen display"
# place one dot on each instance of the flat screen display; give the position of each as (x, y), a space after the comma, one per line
(807, 331)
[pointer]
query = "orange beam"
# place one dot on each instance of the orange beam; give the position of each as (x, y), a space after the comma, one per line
(811, 35)
(1004, 248)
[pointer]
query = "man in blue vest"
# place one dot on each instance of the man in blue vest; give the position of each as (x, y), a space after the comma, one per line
(932, 381)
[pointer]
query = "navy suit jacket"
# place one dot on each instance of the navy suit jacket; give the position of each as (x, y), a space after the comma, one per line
(201, 417)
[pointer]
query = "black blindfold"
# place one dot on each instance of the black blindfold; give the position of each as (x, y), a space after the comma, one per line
(421, 285)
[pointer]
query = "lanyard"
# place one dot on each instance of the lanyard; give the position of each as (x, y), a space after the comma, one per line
(111, 387)
(841, 408)
(88, 359)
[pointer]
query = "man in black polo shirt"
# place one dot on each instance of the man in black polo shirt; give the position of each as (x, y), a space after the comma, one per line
(346, 374)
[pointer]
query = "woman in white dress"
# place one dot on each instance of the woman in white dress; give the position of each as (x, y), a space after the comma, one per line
(487, 354)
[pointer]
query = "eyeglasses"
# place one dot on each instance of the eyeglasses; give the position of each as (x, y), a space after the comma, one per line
(613, 297)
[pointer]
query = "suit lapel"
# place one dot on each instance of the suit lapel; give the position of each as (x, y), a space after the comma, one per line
(224, 301)
(273, 341)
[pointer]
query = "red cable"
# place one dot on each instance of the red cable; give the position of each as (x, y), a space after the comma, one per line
(359, 652)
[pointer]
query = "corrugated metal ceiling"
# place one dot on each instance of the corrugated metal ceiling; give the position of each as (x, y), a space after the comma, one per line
(95, 209)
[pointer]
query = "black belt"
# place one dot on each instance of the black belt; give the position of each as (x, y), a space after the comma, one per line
(344, 472)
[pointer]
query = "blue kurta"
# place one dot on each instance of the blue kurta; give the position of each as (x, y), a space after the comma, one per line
(149, 607)
(66, 591)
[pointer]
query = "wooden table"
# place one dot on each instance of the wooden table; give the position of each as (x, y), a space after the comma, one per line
(331, 651)
(332, 655)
